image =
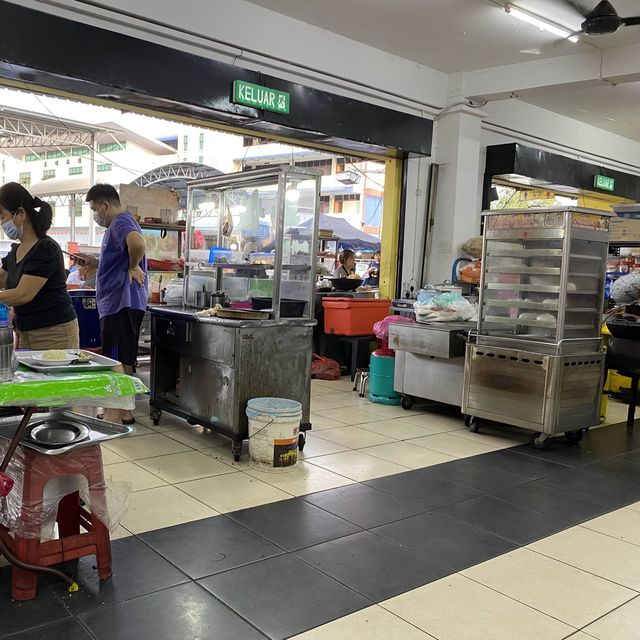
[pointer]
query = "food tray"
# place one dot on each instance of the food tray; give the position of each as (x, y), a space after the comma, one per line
(99, 431)
(97, 363)
(241, 314)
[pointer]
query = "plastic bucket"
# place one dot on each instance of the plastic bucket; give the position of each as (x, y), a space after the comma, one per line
(274, 425)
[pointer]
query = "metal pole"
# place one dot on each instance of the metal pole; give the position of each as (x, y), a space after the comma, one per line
(92, 180)
(72, 217)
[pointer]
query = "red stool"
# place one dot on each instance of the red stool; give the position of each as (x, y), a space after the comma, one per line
(38, 471)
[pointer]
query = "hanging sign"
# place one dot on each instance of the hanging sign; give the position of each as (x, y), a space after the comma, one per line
(259, 97)
(604, 182)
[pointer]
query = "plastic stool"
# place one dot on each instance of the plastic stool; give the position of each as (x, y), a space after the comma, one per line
(38, 470)
(360, 380)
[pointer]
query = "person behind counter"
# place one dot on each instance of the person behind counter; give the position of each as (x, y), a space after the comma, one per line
(121, 283)
(346, 264)
(372, 274)
(33, 274)
(85, 273)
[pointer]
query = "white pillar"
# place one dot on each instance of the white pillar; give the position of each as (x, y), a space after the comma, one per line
(459, 193)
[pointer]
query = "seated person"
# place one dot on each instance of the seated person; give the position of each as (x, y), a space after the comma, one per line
(85, 273)
(372, 274)
(346, 264)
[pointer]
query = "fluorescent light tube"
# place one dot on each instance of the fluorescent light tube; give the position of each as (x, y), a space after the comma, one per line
(541, 23)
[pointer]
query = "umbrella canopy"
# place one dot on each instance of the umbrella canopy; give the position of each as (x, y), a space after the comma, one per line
(350, 237)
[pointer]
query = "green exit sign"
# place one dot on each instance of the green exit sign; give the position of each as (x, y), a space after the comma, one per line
(604, 183)
(259, 97)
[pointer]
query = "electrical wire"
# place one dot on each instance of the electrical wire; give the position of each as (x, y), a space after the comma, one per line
(365, 175)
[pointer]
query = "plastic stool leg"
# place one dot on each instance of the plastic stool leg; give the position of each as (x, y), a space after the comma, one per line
(356, 380)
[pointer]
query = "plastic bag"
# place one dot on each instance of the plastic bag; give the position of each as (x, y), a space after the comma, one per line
(446, 307)
(108, 501)
(324, 368)
(381, 328)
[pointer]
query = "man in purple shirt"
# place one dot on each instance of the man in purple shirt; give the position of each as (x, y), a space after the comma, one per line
(121, 283)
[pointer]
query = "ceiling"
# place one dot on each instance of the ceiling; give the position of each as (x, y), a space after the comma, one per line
(453, 35)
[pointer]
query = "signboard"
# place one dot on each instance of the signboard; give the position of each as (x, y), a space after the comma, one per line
(259, 97)
(605, 183)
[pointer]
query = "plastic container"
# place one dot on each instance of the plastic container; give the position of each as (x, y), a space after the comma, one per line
(274, 425)
(84, 302)
(218, 254)
(288, 308)
(353, 316)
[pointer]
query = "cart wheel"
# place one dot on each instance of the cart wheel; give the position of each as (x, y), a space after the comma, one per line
(473, 423)
(155, 415)
(574, 436)
(539, 440)
(302, 440)
(406, 402)
(236, 450)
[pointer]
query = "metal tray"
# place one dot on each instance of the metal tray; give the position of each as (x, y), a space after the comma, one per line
(60, 432)
(97, 363)
(99, 431)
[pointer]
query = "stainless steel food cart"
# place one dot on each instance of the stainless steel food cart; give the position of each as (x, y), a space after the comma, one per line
(536, 359)
(252, 235)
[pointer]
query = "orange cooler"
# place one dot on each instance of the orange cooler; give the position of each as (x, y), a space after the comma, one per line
(353, 316)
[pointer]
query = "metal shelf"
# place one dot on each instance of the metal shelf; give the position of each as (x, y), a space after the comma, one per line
(246, 265)
(524, 253)
(522, 304)
(168, 226)
(542, 324)
(541, 271)
(535, 288)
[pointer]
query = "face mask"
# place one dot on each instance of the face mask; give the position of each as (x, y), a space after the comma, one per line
(11, 230)
(99, 218)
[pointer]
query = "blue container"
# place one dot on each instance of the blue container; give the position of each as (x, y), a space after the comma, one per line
(381, 375)
(218, 254)
(84, 302)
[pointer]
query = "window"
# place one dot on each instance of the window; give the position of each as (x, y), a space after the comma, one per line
(31, 157)
(201, 159)
(372, 211)
(25, 179)
(52, 155)
(80, 151)
(47, 174)
(201, 141)
(75, 171)
(324, 165)
(78, 208)
(185, 144)
(105, 167)
(112, 146)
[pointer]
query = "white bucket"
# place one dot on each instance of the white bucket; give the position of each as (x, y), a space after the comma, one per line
(274, 425)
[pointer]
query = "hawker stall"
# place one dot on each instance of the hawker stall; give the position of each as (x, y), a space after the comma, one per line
(536, 360)
(245, 327)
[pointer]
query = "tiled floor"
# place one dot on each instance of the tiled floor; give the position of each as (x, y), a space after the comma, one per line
(393, 524)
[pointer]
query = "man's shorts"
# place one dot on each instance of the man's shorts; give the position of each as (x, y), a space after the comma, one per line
(120, 335)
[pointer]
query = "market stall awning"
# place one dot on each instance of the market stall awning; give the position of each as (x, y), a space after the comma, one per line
(350, 236)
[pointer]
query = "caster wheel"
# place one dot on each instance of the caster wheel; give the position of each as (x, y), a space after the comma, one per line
(236, 450)
(406, 402)
(574, 436)
(302, 440)
(539, 440)
(155, 415)
(236, 457)
(474, 425)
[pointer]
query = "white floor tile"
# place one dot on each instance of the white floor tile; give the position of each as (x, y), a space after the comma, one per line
(303, 479)
(145, 446)
(456, 608)
(452, 445)
(182, 467)
(395, 428)
(357, 465)
(131, 472)
(434, 423)
(557, 589)
(621, 624)
(408, 455)
(316, 446)
(353, 437)
(372, 623)
(351, 415)
(162, 507)
(320, 423)
(623, 524)
(596, 553)
(199, 438)
(494, 438)
(232, 491)
(110, 457)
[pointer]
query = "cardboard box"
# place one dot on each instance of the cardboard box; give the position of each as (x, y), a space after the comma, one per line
(624, 230)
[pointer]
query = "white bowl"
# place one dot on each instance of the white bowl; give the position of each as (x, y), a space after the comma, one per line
(70, 356)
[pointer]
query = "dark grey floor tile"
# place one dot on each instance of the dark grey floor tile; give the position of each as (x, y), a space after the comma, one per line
(617, 468)
(284, 596)
(446, 540)
(610, 491)
(19, 616)
(69, 629)
(504, 519)
(427, 490)
(293, 524)
(526, 466)
(554, 501)
(632, 456)
(186, 611)
(209, 546)
(364, 506)
(372, 566)
(474, 473)
(137, 570)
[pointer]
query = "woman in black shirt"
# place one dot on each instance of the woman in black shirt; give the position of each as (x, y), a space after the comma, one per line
(33, 274)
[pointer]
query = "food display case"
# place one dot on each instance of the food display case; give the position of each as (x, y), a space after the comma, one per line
(251, 244)
(535, 360)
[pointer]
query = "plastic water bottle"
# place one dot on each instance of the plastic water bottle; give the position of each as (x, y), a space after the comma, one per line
(7, 362)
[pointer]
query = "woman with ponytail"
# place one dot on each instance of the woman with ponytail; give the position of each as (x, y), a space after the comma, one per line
(33, 276)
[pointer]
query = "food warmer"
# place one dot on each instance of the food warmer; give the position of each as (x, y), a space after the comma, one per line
(253, 236)
(536, 360)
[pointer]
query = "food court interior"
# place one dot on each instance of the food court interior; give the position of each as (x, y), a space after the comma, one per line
(446, 450)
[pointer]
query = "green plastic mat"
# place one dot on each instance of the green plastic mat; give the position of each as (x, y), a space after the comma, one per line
(30, 388)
